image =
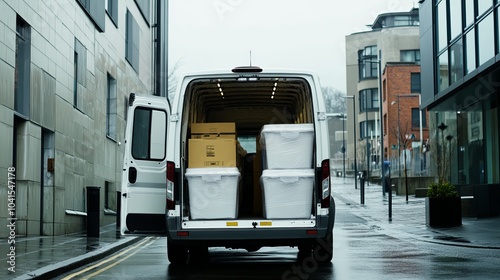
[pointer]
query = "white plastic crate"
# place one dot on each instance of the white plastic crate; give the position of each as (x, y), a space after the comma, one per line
(287, 146)
(213, 192)
(287, 194)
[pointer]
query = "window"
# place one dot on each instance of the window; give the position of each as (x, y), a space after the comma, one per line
(132, 42)
(112, 10)
(367, 129)
(22, 68)
(483, 6)
(415, 82)
(486, 35)
(469, 12)
(148, 136)
(80, 76)
(443, 80)
(456, 61)
(442, 26)
(368, 62)
(410, 56)
(470, 51)
(368, 99)
(145, 8)
(415, 118)
(95, 10)
(455, 18)
(111, 108)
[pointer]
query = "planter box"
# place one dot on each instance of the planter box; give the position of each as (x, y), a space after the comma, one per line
(443, 211)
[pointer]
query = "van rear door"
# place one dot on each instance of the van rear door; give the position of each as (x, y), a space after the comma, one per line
(143, 192)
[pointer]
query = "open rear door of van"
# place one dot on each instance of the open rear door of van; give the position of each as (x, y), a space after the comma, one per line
(143, 191)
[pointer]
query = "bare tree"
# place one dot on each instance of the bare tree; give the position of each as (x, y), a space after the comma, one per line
(335, 100)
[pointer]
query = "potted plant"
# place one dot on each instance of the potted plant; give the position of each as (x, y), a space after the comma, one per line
(443, 205)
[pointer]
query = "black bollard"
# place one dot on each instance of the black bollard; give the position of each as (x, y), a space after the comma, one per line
(93, 211)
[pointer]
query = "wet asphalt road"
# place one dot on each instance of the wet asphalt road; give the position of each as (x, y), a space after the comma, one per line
(361, 251)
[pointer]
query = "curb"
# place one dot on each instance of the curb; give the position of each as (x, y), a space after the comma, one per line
(59, 268)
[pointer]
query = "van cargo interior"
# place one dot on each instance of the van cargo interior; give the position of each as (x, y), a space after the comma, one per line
(250, 103)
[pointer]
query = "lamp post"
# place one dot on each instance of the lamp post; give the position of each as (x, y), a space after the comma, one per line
(342, 116)
(355, 139)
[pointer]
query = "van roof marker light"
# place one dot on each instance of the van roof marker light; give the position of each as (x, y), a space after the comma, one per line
(247, 69)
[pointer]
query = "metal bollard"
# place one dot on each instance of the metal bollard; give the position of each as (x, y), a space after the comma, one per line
(93, 211)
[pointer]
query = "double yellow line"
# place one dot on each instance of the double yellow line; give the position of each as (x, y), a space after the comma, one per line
(146, 240)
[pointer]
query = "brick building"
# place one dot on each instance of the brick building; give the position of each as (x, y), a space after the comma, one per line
(405, 130)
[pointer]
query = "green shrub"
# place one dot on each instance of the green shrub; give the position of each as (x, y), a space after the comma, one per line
(444, 189)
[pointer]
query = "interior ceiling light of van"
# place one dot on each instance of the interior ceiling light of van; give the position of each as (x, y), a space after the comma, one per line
(252, 103)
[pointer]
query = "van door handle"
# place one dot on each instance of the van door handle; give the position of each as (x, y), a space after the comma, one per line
(124, 195)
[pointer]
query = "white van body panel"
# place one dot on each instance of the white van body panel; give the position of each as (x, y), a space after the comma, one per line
(146, 195)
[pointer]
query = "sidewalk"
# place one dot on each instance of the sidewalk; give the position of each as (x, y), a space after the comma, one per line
(44, 257)
(409, 218)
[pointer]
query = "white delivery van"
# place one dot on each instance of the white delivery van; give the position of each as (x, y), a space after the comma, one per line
(240, 160)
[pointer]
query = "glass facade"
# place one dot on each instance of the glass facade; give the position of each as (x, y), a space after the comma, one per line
(466, 122)
(467, 33)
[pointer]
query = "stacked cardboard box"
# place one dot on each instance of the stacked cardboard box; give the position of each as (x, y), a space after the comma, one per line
(212, 172)
(212, 145)
(288, 176)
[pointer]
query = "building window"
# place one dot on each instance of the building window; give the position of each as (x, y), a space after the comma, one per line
(411, 20)
(442, 26)
(456, 61)
(415, 118)
(132, 42)
(22, 68)
(145, 8)
(111, 108)
(80, 76)
(367, 129)
(410, 56)
(95, 10)
(483, 6)
(368, 99)
(112, 10)
(485, 35)
(415, 83)
(469, 12)
(368, 62)
(455, 19)
(470, 51)
(443, 71)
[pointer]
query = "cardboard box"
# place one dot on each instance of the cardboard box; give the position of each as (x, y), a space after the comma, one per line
(213, 128)
(213, 136)
(217, 152)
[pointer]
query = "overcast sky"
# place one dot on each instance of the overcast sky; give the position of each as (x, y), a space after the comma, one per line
(296, 34)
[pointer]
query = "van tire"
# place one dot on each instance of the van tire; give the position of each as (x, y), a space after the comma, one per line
(323, 249)
(177, 254)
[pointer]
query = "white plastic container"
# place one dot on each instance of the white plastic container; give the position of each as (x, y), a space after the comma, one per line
(213, 192)
(287, 146)
(287, 194)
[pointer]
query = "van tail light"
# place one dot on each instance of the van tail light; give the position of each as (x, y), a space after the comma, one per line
(170, 185)
(325, 183)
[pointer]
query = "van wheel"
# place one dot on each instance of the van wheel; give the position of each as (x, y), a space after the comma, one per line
(323, 249)
(177, 254)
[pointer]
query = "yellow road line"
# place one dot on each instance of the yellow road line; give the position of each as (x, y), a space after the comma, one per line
(115, 263)
(107, 260)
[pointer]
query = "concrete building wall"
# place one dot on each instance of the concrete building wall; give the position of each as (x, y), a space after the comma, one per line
(74, 137)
